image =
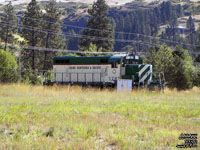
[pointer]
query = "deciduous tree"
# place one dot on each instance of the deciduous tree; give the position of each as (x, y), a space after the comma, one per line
(8, 67)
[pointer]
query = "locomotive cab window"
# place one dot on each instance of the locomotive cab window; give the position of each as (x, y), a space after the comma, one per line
(104, 61)
(129, 61)
(62, 61)
(58, 61)
(66, 61)
(114, 65)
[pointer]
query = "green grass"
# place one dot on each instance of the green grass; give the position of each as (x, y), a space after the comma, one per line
(92, 119)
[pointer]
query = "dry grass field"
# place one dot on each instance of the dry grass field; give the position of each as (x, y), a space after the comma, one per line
(72, 118)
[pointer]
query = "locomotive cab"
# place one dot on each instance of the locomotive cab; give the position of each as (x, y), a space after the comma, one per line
(139, 74)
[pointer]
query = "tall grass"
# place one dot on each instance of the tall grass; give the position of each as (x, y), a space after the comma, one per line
(95, 119)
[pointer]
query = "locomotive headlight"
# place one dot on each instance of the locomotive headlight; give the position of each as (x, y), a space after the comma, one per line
(129, 57)
(136, 58)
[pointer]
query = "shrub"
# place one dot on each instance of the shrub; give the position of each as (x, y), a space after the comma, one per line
(8, 67)
(31, 77)
(177, 66)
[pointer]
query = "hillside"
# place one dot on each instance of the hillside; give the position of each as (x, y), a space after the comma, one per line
(149, 17)
(110, 2)
(136, 17)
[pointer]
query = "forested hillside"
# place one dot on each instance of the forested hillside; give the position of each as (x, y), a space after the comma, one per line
(136, 22)
(143, 21)
(133, 23)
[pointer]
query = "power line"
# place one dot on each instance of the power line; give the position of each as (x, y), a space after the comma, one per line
(79, 36)
(81, 52)
(89, 37)
(130, 33)
(67, 51)
(66, 25)
(157, 38)
(64, 51)
(10, 68)
(99, 38)
(68, 35)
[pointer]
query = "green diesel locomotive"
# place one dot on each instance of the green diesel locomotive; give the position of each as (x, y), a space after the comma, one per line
(104, 71)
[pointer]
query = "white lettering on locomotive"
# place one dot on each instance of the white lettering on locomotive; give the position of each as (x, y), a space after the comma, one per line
(86, 73)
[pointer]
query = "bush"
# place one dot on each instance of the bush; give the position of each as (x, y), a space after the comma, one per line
(8, 67)
(162, 61)
(197, 59)
(31, 77)
(196, 79)
(177, 67)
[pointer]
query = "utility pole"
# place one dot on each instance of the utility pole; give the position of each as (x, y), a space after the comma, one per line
(137, 44)
(19, 80)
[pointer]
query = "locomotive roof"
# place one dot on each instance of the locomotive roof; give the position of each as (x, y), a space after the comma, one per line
(89, 59)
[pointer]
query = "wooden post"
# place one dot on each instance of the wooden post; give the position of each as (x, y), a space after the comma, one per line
(121, 61)
(92, 77)
(19, 80)
(62, 77)
(85, 78)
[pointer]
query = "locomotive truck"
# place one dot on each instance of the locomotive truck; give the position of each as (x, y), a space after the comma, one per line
(104, 71)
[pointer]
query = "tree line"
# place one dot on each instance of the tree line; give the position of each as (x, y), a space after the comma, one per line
(43, 29)
(177, 66)
(139, 21)
(38, 29)
(144, 23)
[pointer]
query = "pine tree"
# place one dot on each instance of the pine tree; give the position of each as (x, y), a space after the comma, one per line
(179, 10)
(119, 45)
(31, 26)
(72, 42)
(163, 8)
(152, 56)
(184, 69)
(53, 37)
(192, 35)
(8, 25)
(164, 63)
(128, 24)
(190, 25)
(157, 15)
(177, 66)
(99, 21)
(172, 31)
